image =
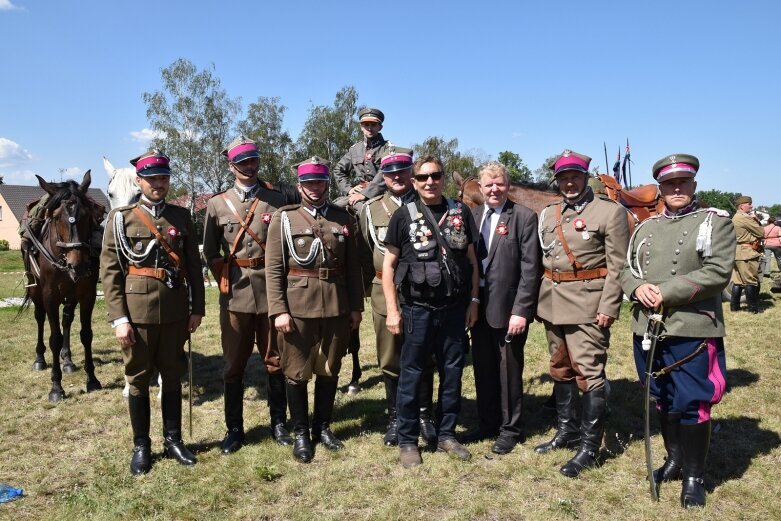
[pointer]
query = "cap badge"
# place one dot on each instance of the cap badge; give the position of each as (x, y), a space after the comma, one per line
(566, 153)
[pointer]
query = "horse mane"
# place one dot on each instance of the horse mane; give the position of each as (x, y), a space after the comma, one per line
(542, 186)
(66, 190)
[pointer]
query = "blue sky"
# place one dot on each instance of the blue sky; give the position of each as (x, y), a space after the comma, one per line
(699, 77)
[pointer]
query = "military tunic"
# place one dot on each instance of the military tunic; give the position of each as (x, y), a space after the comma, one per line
(157, 306)
(313, 273)
(597, 234)
(244, 309)
(361, 163)
(749, 234)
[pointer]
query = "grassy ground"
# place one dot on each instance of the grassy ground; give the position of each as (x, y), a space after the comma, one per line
(72, 458)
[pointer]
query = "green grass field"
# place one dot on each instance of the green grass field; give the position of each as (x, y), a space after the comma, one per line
(72, 458)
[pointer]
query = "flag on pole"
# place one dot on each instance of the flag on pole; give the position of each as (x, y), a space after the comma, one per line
(627, 180)
(617, 167)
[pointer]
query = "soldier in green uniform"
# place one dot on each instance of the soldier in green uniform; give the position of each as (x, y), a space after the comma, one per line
(583, 240)
(678, 263)
(234, 246)
(154, 293)
(315, 296)
(749, 234)
(396, 169)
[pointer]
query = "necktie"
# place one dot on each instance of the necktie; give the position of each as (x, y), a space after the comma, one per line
(485, 236)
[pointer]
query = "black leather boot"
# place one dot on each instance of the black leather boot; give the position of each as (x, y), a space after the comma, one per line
(591, 430)
(171, 403)
(428, 431)
(734, 301)
(277, 404)
(391, 437)
(672, 470)
(752, 298)
(695, 441)
(299, 412)
(141, 462)
(567, 435)
(325, 394)
(234, 418)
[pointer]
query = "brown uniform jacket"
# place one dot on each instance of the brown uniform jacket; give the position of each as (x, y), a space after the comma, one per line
(748, 232)
(601, 244)
(337, 288)
(247, 290)
(362, 163)
(148, 300)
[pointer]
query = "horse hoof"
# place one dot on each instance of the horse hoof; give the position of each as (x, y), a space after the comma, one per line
(40, 366)
(94, 386)
(56, 396)
(69, 368)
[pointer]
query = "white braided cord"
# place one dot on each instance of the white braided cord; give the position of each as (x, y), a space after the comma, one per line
(315, 248)
(122, 245)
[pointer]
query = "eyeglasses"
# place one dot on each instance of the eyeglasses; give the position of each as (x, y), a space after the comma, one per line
(436, 176)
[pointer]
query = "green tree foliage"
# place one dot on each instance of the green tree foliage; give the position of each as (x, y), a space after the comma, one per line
(774, 210)
(263, 124)
(544, 174)
(718, 199)
(515, 166)
(329, 131)
(193, 118)
(447, 151)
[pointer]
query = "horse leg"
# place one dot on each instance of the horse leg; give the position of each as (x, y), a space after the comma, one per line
(68, 314)
(40, 347)
(85, 314)
(55, 344)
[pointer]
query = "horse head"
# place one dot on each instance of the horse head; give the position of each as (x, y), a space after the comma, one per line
(122, 189)
(69, 223)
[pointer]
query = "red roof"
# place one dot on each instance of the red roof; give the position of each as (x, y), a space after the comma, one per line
(200, 201)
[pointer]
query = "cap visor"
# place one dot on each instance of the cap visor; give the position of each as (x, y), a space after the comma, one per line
(155, 170)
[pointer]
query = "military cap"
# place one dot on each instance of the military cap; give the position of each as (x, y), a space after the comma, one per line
(151, 163)
(569, 160)
(240, 149)
(313, 169)
(743, 199)
(675, 165)
(370, 114)
(397, 158)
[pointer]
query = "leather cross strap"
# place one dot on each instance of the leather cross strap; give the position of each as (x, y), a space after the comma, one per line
(244, 223)
(159, 236)
(560, 233)
(568, 276)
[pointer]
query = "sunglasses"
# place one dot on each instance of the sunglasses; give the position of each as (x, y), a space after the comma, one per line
(436, 176)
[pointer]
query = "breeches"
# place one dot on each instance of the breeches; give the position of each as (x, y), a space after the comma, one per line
(578, 352)
(158, 346)
(746, 273)
(239, 334)
(314, 346)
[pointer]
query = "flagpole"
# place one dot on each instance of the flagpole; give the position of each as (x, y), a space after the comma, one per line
(607, 163)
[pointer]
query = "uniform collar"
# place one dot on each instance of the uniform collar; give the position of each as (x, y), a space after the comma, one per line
(313, 211)
(246, 193)
(404, 198)
(578, 205)
(375, 141)
(153, 208)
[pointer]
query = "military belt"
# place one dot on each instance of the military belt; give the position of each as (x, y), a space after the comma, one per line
(321, 273)
(568, 276)
(379, 274)
(254, 262)
(155, 273)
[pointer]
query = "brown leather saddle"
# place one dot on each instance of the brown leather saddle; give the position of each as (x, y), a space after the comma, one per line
(643, 201)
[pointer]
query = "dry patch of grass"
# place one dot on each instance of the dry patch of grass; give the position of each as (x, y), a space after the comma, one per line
(72, 458)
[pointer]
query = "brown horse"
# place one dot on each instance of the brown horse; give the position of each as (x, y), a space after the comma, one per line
(68, 274)
(533, 195)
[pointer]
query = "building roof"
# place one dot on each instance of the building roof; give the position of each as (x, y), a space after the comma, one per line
(19, 196)
(200, 201)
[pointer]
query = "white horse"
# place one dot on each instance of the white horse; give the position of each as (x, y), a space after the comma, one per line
(122, 191)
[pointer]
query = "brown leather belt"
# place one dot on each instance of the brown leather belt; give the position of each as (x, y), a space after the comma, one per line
(568, 276)
(379, 274)
(254, 262)
(155, 273)
(322, 273)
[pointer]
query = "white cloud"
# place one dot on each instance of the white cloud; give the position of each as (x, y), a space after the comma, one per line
(518, 135)
(145, 135)
(7, 5)
(11, 153)
(18, 177)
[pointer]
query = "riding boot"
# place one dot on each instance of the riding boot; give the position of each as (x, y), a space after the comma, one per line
(299, 412)
(171, 403)
(391, 437)
(734, 301)
(234, 417)
(591, 430)
(26, 246)
(669, 425)
(752, 298)
(428, 431)
(695, 441)
(141, 462)
(277, 405)
(325, 395)
(567, 435)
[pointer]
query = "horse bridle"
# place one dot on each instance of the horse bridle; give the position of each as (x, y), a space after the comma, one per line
(61, 263)
(463, 184)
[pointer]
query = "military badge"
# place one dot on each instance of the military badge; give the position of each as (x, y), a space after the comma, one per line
(368, 156)
(139, 246)
(172, 232)
(457, 221)
(266, 217)
(579, 224)
(501, 229)
(300, 242)
(346, 230)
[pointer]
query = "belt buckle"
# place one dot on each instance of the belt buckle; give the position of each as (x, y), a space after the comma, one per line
(323, 273)
(555, 276)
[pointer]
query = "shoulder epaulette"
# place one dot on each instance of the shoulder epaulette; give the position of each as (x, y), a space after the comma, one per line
(289, 207)
(373, 199)
(718, 211)
(332, 206)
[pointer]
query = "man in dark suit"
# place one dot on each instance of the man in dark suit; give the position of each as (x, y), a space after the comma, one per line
(508, 255)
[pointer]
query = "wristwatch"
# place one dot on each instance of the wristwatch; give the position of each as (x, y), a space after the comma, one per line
(475, 300)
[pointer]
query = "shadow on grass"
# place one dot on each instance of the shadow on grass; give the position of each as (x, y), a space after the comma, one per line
(736, 443)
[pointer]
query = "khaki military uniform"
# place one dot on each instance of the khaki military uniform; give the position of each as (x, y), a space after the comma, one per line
(362, 163)
(749, 234)
(157, 298)
(318, 285)
(597, 234)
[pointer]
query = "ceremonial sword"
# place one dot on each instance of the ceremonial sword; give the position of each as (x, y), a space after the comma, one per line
(190, 370)
(650, 338)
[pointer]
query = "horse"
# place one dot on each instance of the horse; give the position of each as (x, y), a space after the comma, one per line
(640, 202)
(533, 195)
(122, 189)
(67, 274)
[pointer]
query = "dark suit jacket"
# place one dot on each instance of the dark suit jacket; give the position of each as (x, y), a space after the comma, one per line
(512, 276)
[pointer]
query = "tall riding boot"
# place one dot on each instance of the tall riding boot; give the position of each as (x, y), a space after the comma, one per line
(141, 461)
(277, 405)
(669, 425)
(752, 298)
(428, 431)
(567, 435)
(354, 387)
(391, 437)
(734, 301)
(695, 441)
(299, 412)
(325, 395)
(171, 403)
(234, 417)
(591, 429)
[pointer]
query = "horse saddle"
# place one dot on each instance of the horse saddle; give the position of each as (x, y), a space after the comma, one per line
(643, 195)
